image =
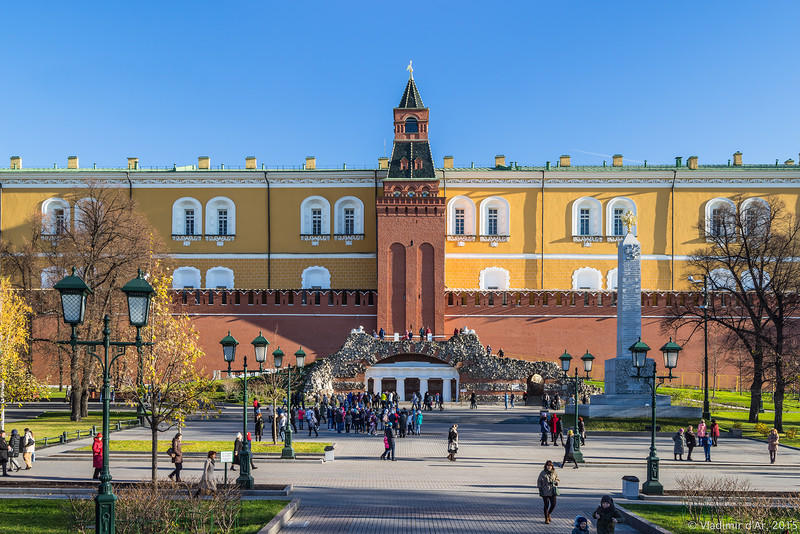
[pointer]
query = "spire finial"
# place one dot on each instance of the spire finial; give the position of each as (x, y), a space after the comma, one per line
(410, 70)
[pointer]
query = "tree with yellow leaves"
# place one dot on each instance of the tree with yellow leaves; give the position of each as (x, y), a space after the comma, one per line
(17, 383)
(173, 386)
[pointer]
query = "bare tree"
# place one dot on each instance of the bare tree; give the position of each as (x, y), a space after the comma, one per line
(750, 264)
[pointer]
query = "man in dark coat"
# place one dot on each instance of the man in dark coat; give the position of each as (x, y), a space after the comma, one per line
(16, 447)
(4, 449)
(237, 448)
(389, 434)
(403, 423)
(569, 451)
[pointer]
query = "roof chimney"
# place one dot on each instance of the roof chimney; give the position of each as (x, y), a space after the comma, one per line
(499, 160)
(383, 163)
(133, 164)
(564, 161)
(204, 162)
(311, 163)
(448, 162)
(737, 159)
(692, 162)
(789, 162)
(16, 162)
(250, 162)
(72, 162)
(616, 160)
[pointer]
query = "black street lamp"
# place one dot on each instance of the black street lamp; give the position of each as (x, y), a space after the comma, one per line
(587, 360)
(288, 452)
(139, 293)
(639, 354)
(229, 343)
(706, 404)
(73, 291)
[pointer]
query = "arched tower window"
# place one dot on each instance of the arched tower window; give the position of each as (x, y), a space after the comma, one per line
(411, 125)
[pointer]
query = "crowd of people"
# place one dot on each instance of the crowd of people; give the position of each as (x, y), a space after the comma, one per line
(13, 447)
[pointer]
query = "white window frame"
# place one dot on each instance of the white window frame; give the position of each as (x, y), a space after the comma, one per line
(48, 214)
(498, 278)
(178, 217)
(503, 216)
(626, 204)
(578, 277)
(212, 222)
(747, 205)
(182, 275)
(315, 277)
(612, 280)
(465, 203)
(713, 204)
(305, 215)
(219, 277)
(595, 216)
(358, 215)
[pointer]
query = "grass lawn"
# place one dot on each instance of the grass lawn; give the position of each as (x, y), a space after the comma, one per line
(135, 445)
(52, 424)
(674, 518)
(49, 516)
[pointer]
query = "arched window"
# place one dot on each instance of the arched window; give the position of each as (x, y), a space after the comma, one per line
(316, 278)
(495, 278)
(187, 217)
(51, 275)
(720, 217)
(403, 163)
(186, 278)
(219, 278)
(349, 216)
(411, 125)
(315, 216)
(611, 279)
(55, 216)
(721, 279)
(587, 278)
(461, 216)
(616, 208)
(220, 216)
(86, 214)
(495, 217)
(755, 215)
(586, 216)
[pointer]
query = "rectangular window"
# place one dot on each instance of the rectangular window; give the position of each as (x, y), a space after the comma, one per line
(61, 221)
(188, 222)
(222, 222)
(491, 226)
(618, 231)
(459, 226)
(349, 221)
(316, 221)
(584, 222)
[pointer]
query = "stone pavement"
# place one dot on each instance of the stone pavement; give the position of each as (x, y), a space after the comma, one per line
(491, 488)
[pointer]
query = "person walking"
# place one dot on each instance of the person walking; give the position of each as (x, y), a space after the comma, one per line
(606, 515)
(547, 484)
(706, 442)
(386, 445)
(558, 429)
(259, 427)
(389, 432)
(691, 442)
(452, 443)
(207, 482)
(544, 428)
(15, 442)
(773, 440)
(701, 431)
(237, 449)
(418, 425)
(5, 448)
(679, 445)
(176, 454)
(28, 448)
(505, 399)
(512, 400)
(714, 430)
(582, 431)
(311, 419)
(569, 450)
(473, 403)
(97, 455)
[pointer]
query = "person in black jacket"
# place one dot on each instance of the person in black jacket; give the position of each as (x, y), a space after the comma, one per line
(390, 437)
(691, 442)
(569, 450)
(237, 448)
(607, 516)
(4, 449)
(16, 446)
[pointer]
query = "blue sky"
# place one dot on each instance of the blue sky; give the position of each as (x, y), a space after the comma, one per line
(168, 81)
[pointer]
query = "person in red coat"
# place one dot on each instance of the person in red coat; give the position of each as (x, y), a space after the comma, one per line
(97, 455)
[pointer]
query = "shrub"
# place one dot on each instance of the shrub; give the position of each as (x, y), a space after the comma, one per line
(737, 425)
(762, 429)
(791, 433)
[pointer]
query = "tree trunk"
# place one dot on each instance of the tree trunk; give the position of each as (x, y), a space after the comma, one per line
(84, 407)
(154, 451)
(756, 385)
(780, 390)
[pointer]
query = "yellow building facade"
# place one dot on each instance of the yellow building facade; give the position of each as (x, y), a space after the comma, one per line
(508, 227)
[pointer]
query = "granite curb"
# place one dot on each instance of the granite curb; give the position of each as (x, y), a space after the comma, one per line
(281, 518)
(641, 524)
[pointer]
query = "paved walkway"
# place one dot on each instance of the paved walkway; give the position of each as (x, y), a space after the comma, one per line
(491, 488)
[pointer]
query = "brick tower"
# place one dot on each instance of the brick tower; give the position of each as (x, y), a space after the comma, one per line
(411, 227)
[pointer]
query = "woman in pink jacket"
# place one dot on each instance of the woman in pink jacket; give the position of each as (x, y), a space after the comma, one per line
(97, 455)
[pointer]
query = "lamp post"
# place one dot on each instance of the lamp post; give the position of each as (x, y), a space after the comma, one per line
(639, 353)
(73, 291)
(135, 290)
(587, 360)
(288, 452)
(229, 343)
(706, 404)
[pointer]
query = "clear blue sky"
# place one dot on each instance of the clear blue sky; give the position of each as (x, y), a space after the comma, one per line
(168, 81)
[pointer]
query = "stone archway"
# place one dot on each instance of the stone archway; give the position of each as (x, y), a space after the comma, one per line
(535, 388)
